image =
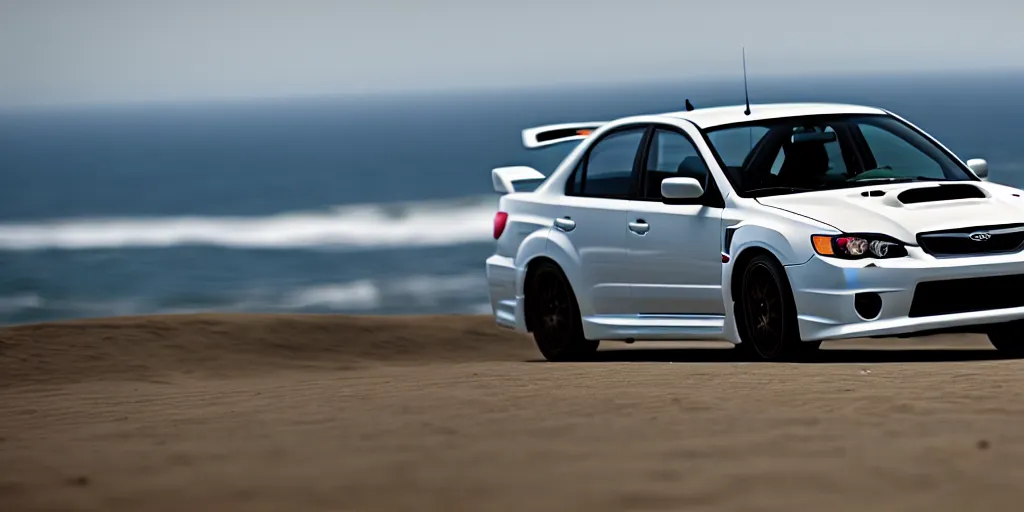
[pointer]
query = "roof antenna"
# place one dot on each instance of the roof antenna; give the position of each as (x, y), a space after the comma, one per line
(689, 106)
(745, 93)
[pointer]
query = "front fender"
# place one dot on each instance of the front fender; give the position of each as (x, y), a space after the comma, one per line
(790, 243)
(791, 248)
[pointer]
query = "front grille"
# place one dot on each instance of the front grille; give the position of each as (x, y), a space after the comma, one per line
(977, 240)
(966, 295)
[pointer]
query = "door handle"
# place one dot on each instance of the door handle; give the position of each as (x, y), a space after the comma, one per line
(639, 227)
(565, 224)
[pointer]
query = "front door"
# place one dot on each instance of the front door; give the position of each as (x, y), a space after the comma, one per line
(674, 250)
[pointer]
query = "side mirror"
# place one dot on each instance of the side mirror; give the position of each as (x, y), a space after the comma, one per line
(980, 167)
(681, 188)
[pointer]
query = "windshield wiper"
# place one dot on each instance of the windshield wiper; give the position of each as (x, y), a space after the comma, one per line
(894, 179)
(775, 190)
(779, 190)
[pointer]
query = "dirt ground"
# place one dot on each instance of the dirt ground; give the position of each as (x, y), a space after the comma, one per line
(270, 412)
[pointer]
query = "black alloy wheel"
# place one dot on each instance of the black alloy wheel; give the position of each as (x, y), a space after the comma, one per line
(768, 313)
(555, 317)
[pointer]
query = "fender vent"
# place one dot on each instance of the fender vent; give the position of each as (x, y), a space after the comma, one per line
(873, 193)
(940, 193)
(727, 243)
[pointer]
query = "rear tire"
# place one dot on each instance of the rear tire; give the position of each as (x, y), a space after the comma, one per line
(767, 314)
(1008, 338)
(554, 316)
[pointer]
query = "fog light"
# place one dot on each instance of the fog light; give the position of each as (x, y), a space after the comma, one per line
(868, 305)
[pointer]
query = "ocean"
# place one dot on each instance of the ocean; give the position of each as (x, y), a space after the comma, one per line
(372, 204)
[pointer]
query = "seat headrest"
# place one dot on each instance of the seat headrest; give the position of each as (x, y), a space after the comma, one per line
(692, 167)
(805, 158)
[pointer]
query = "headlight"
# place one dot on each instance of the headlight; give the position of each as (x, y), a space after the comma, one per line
(854, 247)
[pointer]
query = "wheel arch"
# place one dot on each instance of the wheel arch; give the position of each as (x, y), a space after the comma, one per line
(733, 280)
(740, 263)
(555, 247)
(770, 236)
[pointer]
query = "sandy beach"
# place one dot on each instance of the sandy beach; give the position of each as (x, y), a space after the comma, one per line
(281, 412)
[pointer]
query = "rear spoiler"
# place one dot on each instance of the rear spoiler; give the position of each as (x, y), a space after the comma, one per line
(547, 135)
(506, 178)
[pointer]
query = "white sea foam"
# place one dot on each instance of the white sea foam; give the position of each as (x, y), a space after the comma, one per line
(457, 293)
(370, 294)
(429, 289)
(19, 302)
(419, 224)
(358, 295)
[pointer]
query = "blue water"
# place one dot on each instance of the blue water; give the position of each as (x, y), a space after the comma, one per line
(368, 205)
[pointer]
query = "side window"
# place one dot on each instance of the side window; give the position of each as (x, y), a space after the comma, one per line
(608, 171)
(671, 154)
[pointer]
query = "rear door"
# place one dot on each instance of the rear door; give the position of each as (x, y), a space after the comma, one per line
(593, 219)
(674, 249)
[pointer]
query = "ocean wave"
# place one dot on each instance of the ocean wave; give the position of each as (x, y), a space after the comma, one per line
(408, 292)
(21, 301)
(358, 295)
(367, 226)
(12, 306)
(415, 293)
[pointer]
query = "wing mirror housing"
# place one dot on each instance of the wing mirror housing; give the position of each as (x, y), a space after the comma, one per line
(681, 188)
(980, 167)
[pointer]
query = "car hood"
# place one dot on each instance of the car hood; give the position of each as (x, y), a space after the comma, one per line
(890, 210)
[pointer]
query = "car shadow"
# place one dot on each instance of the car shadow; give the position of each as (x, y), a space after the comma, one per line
(824, 356)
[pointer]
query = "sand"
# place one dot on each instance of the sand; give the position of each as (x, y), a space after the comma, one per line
(273, 412)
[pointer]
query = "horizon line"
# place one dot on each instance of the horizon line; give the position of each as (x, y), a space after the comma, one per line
(386, 93)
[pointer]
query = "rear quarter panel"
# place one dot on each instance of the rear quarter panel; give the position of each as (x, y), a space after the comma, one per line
(527, 219)
(530, 234)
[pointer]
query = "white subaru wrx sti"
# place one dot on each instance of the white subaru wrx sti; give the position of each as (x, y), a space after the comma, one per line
(774, 227)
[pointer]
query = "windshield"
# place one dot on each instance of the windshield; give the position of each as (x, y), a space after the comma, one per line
(801, 154)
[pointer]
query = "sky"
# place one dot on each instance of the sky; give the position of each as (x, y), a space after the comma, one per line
(111, 51)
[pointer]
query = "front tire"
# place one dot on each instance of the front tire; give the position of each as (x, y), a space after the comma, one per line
(767, 313)
(1008, 338)
(555, 316)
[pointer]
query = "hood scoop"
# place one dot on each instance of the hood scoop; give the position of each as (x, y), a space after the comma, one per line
(940, 193)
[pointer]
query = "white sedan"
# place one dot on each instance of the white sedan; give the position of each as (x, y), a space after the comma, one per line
(774, 228)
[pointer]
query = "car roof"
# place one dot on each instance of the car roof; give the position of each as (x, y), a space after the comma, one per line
(718, 116)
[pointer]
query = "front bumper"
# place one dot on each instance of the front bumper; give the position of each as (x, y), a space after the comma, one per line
(824, 290)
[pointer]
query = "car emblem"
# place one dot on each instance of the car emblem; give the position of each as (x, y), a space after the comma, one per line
(980, 236)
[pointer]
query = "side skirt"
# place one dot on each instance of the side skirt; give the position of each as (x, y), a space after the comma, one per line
(655, 327)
